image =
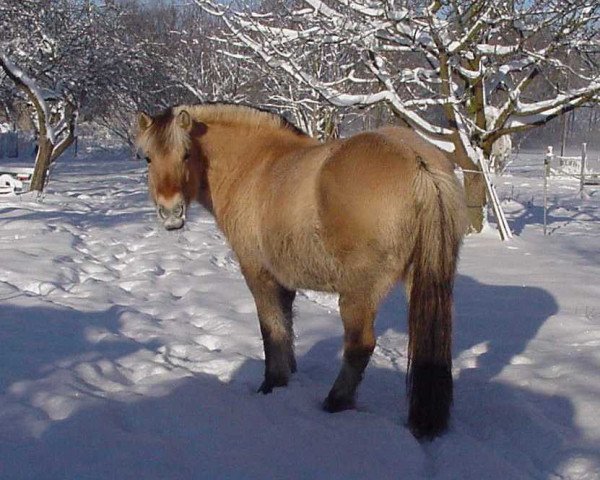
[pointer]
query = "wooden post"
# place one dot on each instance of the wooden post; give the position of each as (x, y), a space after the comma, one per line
(547, 161)
(563, 140)
(503, 227)
(583, 168)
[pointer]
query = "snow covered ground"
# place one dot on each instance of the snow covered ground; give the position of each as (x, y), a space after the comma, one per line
(129, 352)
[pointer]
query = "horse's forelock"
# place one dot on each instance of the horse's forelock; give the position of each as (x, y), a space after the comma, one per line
(164, 135)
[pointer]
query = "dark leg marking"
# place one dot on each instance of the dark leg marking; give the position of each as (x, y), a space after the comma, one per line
(274, 307)
(358, 317)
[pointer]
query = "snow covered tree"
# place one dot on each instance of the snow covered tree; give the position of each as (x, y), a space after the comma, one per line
(60, 54)
(436, 65)
(192, 62)
(175, 62)
(268, 89)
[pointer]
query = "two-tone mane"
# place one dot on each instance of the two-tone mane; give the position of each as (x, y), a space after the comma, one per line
(352, 216)
(164, 131)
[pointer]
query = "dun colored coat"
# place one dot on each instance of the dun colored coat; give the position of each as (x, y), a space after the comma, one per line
(352, 216)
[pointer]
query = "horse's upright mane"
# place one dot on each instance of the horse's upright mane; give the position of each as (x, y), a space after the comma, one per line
(163, 133)
(237, 114)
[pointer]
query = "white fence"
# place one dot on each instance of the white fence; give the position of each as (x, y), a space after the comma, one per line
(575, 167)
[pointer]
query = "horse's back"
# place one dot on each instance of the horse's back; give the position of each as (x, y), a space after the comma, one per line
(386, 158)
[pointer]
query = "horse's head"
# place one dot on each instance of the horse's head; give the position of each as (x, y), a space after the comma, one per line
(173, 178)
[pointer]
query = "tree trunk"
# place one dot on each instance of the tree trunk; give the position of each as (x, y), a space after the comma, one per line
(48, 151)
(476, 197)
(474, 185)
(42, 164)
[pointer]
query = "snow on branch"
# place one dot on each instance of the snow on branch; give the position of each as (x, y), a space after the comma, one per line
(27, 84)
(437, 67)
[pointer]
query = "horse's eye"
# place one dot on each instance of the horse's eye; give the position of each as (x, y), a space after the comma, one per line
(186, 157)
(148, 160)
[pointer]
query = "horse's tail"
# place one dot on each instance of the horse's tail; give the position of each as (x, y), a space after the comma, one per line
(440, 227)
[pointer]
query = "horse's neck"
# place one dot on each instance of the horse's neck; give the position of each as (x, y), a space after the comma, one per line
(237, 157)
(236, 151)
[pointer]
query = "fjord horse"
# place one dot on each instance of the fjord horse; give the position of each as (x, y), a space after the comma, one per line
(352, 216)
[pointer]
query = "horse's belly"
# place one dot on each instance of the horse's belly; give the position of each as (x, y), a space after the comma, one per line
(302, 263)
(291, 244)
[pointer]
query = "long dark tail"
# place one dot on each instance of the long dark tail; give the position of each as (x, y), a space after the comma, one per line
(441, 224)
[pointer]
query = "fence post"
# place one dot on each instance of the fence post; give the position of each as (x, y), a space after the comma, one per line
(583, 168)
(547, 160)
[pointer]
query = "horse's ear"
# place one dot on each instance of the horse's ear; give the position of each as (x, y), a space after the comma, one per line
(184, 120)
(144, 121)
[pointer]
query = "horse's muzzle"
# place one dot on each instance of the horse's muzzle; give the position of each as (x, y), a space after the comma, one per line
(173, 218)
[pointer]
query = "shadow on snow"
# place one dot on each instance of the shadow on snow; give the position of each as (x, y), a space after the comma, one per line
(205, 429)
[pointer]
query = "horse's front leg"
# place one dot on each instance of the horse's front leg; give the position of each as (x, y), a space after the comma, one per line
(274, 308)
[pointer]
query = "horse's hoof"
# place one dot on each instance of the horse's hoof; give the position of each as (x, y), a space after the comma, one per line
(269, 384)
(293, 365)
(265, 388)
(425, 431)
(334, 405)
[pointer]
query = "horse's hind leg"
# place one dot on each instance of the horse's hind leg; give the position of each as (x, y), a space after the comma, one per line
(274, 307)
(358, 317)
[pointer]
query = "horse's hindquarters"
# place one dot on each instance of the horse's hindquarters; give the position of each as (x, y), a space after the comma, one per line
(333, 222)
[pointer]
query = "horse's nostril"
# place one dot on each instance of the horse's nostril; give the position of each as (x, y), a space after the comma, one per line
(178, 210)
(162, 212)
